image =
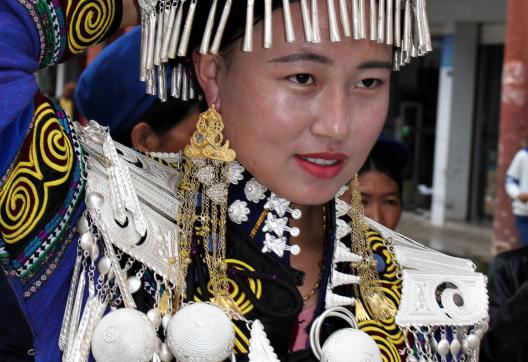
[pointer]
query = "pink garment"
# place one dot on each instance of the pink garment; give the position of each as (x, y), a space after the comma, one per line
(303, 320)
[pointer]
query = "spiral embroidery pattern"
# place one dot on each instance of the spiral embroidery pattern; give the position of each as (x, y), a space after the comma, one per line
(89, 22)
(386, 333)
(45, 163)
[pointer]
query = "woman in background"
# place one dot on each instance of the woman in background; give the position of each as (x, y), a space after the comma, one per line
(380, 182)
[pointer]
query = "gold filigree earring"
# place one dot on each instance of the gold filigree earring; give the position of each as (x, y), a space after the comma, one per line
(203, 210)
(369, 284)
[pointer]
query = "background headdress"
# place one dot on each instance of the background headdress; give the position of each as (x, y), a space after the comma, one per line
(109, 90)
(171, 29)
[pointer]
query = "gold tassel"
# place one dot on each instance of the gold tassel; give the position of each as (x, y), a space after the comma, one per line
(369, 283)
(361, 313)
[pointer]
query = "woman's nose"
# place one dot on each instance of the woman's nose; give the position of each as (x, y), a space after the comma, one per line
(374, 211)
(332, 120)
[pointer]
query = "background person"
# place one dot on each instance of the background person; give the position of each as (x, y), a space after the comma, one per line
(110, 92)
(506, 339)
(381, 184)
(517, 189)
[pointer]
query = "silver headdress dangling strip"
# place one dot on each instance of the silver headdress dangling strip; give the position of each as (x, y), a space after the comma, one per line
(408, 34)
(176, 78)
(381, 21)
(192, 94)
(184, 43)
(143, 47)
(307, 24)
(362, 20)
(168, 30)
(268, 26)
(397, 24)
(316, 38)
(423, 27)
(288, 23)
(373, 21)
(407, 28)
(248, 35)
(175, 34)
(332, 20)
(221, 26)
(166, 6)
(418, 25)
(206, 40)
(185, 86)
(396, 62)
(151, 42)
(159, 35)
(389, 40)
(355, 18)
(162, 83)
(345, 19)
(423, 17)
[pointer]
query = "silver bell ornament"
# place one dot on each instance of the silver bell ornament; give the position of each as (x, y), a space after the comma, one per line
(200, 332)
(344, 345)
(124, 335)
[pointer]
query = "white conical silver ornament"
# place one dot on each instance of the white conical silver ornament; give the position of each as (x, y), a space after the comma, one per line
(260, 349)
(200, 332)
(336, 300)
(342, 208)
(339, 278)
(343, 254)
(342, 229)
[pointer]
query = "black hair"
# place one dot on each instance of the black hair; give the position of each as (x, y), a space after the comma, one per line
(378, 160)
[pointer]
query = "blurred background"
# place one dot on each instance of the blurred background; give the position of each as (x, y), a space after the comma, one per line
(462, 112)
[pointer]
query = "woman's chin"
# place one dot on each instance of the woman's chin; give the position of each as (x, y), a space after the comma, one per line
(310, 197)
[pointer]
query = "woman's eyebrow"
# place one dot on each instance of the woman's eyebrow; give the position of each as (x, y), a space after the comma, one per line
(375, 64)
(303, 57)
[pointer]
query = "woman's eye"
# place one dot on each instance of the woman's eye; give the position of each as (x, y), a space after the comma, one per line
(302, 79)
(368, 83)
(391, 202)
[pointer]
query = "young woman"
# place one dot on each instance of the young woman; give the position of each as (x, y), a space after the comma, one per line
(264, 240)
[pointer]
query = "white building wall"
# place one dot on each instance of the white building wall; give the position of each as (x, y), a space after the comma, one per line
(463, 20)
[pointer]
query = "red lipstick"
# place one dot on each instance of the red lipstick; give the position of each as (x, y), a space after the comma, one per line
(324, 165)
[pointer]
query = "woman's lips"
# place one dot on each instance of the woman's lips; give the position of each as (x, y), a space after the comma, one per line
(325, 165)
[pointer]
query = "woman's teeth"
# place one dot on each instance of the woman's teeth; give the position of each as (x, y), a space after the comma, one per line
(320, 161)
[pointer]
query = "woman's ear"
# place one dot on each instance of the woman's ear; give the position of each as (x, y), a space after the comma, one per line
(206, 68)
(143, 138)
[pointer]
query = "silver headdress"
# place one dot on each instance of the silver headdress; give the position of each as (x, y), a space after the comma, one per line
(167, 26)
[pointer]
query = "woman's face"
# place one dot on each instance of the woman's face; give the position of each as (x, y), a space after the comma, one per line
(302, 117)
(381, 198)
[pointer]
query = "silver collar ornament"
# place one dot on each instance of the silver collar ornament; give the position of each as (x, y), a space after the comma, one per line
(451, 327)
(130, 221)
(128, 228)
